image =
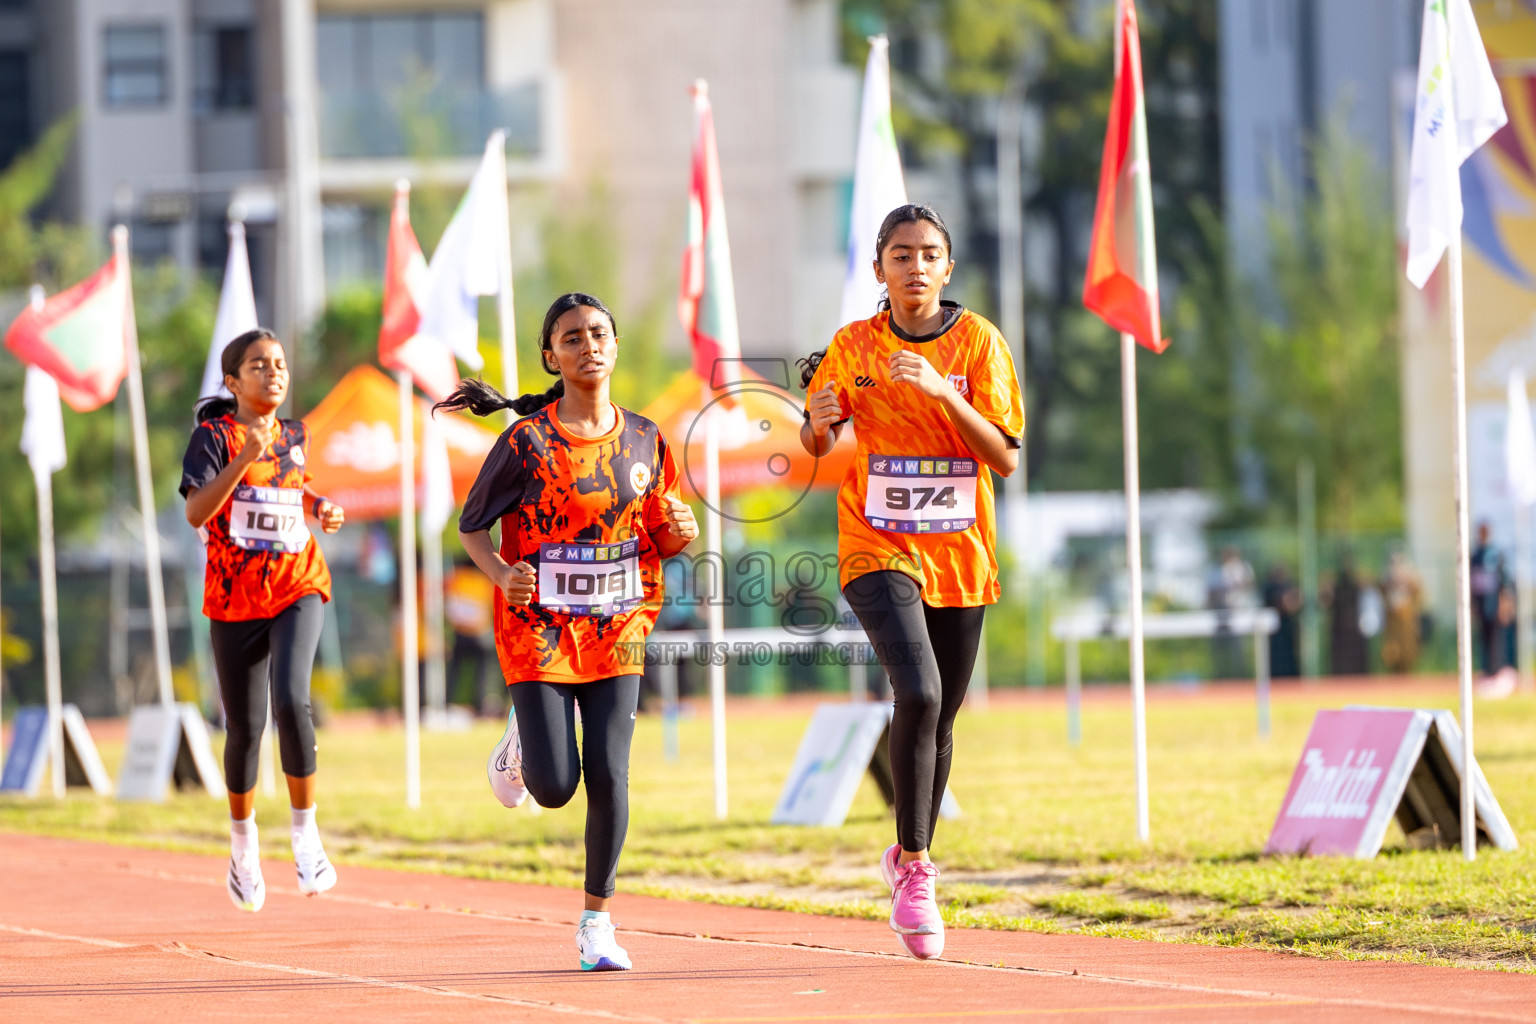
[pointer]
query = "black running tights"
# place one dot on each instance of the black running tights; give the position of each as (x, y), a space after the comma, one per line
(928, 653)
(247, 654)
(546, 724)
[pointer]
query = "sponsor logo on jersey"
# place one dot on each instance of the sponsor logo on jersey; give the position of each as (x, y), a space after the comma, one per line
(960, 382)
(296, 454)
(639, 476)
(864, 382)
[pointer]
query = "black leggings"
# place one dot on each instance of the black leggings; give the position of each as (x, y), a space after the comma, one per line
(928, 653)
(546, 725)
(246, 655)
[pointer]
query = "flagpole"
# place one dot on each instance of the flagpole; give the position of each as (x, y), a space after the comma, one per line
(409, 673)
(48, 570)
(1133, 567)
(1523, 606)
(152, 564)
(716, 609)
(1463, 555)
(506, 323)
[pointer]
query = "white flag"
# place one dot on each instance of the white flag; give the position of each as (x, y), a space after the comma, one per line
(878, 187)
(42, 432)
(467, 262)
(237, 311)
(1458, 108)
(1520, 443)
(437, 502)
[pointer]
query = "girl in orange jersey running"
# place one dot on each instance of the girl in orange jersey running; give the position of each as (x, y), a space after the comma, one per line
(586, 494)
(246, 482)
(933, 390)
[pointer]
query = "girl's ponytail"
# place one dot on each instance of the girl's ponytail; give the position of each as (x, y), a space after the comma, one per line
(478, 397)
(214, 407)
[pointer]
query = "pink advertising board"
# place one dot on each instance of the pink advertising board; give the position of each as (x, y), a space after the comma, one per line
(1349, 780)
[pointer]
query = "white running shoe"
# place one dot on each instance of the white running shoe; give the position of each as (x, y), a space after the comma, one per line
(505, 766)
(247, 890)
(314, 869)
(599, 951)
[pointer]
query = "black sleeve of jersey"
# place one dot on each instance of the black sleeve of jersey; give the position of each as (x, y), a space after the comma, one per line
(498, 489)
(205, 459)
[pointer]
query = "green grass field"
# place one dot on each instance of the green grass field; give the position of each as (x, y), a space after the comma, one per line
(1047, 841)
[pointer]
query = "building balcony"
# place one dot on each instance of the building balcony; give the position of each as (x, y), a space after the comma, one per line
(369, 139)
(441, 123)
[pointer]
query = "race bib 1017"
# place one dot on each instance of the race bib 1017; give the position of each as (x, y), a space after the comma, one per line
(268, 519)
(590, 579)
(920, 494)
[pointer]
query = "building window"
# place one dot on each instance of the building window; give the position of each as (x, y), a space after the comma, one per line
(380, 53)
(15, 100)
(136, 73)
(225, 68)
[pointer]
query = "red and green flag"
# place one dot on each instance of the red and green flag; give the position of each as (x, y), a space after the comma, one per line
(1121, 285)
(80, 336)
(707, 295)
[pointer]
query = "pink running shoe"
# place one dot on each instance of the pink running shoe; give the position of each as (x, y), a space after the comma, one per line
(914, 912)
(888, 865)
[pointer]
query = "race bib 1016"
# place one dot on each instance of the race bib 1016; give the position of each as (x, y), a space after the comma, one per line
(921, 494)
(268, 519)
(590, 579)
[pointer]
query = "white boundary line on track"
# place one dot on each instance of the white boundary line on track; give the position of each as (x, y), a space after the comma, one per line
(194, 953)
(1456, 1013)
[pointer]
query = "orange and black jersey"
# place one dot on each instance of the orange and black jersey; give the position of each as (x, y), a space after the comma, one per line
(242, 584)
(546, 485)
(894, 423)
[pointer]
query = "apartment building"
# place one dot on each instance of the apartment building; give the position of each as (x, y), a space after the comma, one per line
(301, 115)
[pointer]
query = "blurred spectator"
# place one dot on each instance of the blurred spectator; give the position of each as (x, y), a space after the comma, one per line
(1282, 594)
(467, 606)
(1230, 586)
(1347, 655)
(1403, 592)
(1488, 581)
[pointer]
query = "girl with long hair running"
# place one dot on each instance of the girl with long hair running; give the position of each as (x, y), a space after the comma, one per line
(247, 489)
(932, 388)
(586, 494)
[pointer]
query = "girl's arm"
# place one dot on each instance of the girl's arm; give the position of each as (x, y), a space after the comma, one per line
(984, 438)
(819, 433)
(203, 503)
(330, 514)
(516, 581)
(680, 531)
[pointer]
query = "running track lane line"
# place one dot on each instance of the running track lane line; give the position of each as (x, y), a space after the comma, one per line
(309, 972)
(1268, 998)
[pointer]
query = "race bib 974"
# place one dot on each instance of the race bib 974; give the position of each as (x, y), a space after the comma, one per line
(920, 494)
(590, 579)
(268, 519)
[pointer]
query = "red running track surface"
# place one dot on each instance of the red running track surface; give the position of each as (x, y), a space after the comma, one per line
(92, 932)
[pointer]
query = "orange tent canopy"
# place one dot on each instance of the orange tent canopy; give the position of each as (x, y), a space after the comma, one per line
(354, 445)
(760, 436)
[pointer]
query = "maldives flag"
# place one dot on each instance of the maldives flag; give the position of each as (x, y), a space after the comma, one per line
(707, 296)
(427, 360)
(1121, 285)
(80, 336)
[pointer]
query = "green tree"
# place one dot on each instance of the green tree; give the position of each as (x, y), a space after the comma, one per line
(175, 320)
(952, 61)
(1328, 363)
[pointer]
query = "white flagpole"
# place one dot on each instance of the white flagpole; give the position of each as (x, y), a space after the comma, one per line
(1523, 605)
(1133, 568)
(505, 321)
(152, 569)
(409, 673)
(432, 583)
(714, 546)
(1463, 555)
(48, 569)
